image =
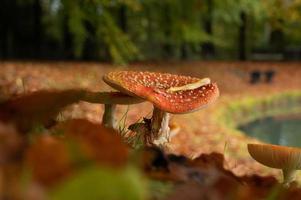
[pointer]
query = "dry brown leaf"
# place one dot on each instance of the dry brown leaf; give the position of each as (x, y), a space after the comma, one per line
(49, 160)
(205, 161)
(50, 157)
(11, 144)
(97, 142)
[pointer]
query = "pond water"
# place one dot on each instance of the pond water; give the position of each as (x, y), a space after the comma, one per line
(276, 130)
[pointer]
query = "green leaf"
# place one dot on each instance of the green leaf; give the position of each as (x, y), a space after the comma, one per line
(97, 183)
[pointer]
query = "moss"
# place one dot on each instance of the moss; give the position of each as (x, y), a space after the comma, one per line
(244, 110)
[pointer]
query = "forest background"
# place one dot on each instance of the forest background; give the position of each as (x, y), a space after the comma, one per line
(121, 31)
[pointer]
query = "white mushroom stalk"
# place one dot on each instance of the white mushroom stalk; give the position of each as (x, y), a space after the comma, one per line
(160, 130)
(109, 119)
(156, 130)
(289, 175)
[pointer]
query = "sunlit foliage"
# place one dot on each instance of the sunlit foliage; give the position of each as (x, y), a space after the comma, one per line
(131, 30)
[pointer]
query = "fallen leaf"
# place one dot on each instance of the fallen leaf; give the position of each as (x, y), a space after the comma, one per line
(48, 159)
(11, 144)
(96, 141)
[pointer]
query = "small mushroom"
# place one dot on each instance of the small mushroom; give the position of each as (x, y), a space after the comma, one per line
(280, 157)
(110, 100)
(41, 107)
(168, 93)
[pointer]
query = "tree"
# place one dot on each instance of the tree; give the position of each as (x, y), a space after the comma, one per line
(208, 49)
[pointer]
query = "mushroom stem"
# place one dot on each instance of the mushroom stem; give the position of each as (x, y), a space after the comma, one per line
(159, 127)
(190, 86)
(288, 176)
(108, 119)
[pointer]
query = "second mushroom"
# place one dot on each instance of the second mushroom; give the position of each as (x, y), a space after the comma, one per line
(168, 93)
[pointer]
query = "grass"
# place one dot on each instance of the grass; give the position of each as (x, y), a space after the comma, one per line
(248, 109)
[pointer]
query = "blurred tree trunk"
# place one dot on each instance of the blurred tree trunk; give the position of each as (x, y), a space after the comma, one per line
(67, 46)
(242, 51)
(167, 47)
(123, 18)
(277, 40)
(3, 30)
(6, 28)
(208, 49)
(37, 28)
(184, 51)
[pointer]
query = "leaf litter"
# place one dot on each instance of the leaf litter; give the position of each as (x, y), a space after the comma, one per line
(63, 150)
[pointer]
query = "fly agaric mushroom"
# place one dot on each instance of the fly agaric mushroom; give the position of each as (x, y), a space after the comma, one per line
(280, 157)
(110, 100)
(168, 93)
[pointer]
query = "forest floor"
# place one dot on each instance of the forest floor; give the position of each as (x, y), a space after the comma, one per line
(198, 134)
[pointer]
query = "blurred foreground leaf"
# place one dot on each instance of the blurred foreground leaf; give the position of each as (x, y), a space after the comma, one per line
(97, 142)
(103, 183)
(11, 144)
(48, 160)
(82, 143)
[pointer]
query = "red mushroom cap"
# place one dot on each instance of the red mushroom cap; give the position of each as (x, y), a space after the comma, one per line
(154, 88)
